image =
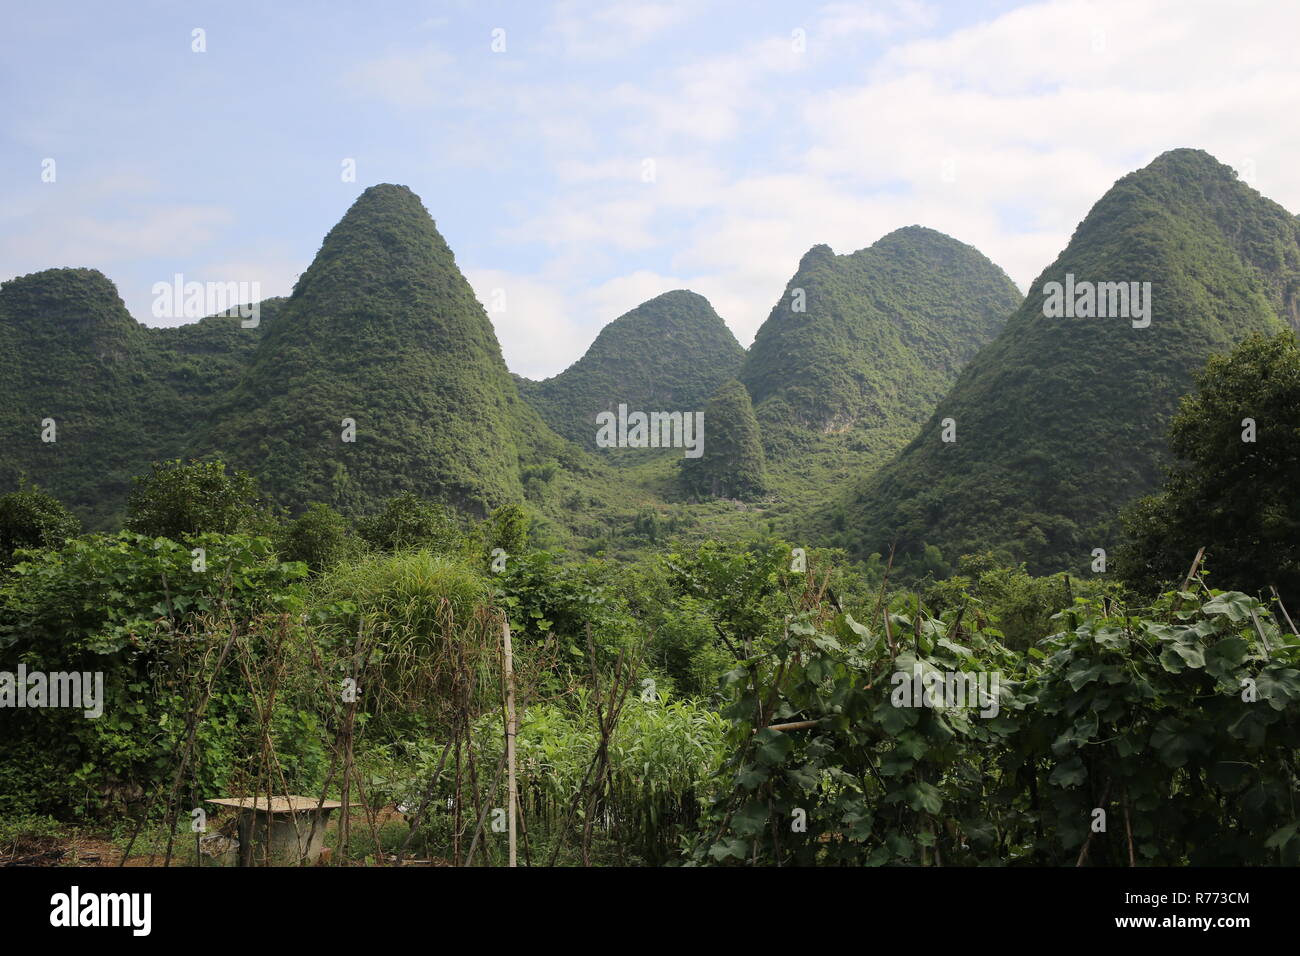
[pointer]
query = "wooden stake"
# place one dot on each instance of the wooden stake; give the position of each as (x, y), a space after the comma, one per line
(511, 786)
(797, 725)
(1191, 573)
(1259, 629)
(1187, 582)
(1128, 828)
(1083, 854)
(1277, 597)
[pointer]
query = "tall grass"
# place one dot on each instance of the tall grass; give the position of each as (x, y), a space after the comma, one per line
(424, 632)
(660, 753)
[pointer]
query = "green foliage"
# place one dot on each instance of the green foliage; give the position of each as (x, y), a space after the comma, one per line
(405, 623)
(179, 500)
(506, 528)
(407, 521)
(29, 518)
(1186, 718)
(741, 588)
(564, 603)
(1181, 723)
(136, 610)
(319, 537)
(732, 465)
(1009, 603)
(1060, 421)
(1235, 498)
(667, 354)
(661, 754)
(709, 605)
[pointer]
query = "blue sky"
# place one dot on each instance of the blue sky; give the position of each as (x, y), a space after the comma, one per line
(998, 123)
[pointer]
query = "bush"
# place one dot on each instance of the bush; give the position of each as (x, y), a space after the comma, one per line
(140, 612)
(408, 521)
(319, 538)
(29, 518)
(179, 500)
(1179, 722)
(423, 624)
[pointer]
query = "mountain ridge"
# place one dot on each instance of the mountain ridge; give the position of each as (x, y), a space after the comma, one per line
(670, 353)
(1060, 421)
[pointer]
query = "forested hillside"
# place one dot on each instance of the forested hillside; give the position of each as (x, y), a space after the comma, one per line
(120, 395)
(861, 344)
(667, 354)
(1062, 420)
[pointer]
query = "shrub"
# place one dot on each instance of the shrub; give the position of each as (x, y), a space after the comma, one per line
(408, 521)
(422, 623)
(179, 500)
(139, 611)
(319, 538)
(29, 518)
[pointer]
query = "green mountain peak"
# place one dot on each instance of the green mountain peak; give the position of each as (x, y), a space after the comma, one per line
(670, 353)
(1063, 418)
(859, 343)
(382, 331)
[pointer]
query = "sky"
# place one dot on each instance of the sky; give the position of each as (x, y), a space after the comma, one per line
(583, 157)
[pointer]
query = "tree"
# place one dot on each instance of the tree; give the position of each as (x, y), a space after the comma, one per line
(29, 518)
(732, 465)
(178, 500)
(408, 521)
(1233, 488)
(506, 528)
(319, 537)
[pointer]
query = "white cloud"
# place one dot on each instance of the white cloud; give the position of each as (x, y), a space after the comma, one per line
(538, 329)
(60, 233)
(587, 29)
(1002, 134)
(843, 19)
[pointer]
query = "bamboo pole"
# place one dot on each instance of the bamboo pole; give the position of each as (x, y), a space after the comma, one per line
(1187, 582)
(1196, 563)
(511, 729)
(1259, 629)
(796, 725)
(1277, 597)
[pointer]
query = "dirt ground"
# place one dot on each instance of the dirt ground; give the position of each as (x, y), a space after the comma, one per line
(79, 849)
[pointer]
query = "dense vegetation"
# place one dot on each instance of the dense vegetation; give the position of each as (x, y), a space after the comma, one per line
(712, 660)
(1232, 487)
(860, 343)
(732, 463)
(713, 704)
(668, 354)
(1174, 728)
